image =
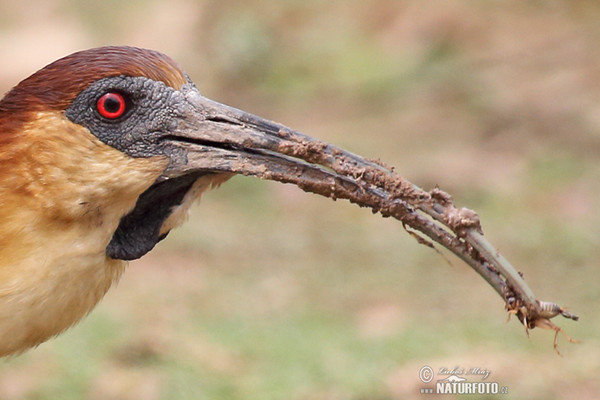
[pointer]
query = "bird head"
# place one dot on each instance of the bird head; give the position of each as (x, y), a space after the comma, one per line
(123, 132)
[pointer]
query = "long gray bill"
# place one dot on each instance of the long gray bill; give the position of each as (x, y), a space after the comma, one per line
(219, 138)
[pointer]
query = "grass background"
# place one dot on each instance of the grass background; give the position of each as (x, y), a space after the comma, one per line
(271, 293)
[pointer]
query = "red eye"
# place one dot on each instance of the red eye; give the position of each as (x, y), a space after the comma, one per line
(111, 105)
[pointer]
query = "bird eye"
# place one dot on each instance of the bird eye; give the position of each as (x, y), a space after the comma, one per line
(111, 105)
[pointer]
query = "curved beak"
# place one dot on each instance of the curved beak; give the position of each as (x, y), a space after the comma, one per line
(215, 138)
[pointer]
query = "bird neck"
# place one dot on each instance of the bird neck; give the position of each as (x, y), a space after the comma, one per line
(61, 199)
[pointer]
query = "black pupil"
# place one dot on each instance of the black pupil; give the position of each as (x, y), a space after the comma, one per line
(112, 104)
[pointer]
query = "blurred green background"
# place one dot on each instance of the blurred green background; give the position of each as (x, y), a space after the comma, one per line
(271, 293)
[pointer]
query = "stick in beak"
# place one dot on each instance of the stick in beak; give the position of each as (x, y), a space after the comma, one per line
(217, 138)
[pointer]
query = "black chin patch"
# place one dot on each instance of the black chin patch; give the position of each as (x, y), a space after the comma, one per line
(139, 231)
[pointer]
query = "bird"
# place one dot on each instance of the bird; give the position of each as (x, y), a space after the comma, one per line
(104, 151)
